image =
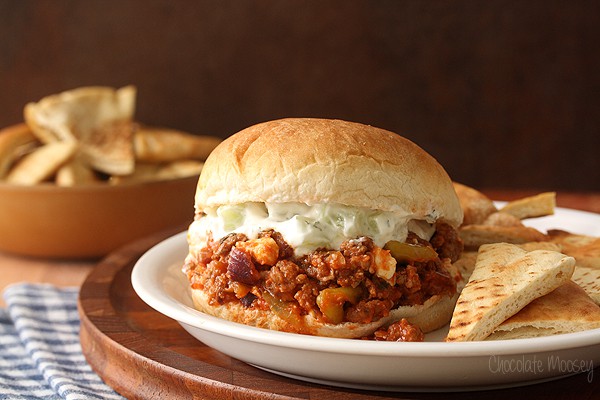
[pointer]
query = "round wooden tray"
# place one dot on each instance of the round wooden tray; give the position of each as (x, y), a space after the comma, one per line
(143, 354)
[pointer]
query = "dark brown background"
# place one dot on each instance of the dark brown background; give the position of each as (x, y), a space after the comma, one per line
(504, 93)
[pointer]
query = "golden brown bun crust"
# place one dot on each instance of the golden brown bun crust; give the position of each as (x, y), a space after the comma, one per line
(432, 315)
(327, 161)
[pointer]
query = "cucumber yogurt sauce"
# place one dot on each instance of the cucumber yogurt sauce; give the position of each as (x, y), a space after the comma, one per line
(308, 227)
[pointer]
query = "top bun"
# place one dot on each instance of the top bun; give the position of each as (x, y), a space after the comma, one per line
(327, 161)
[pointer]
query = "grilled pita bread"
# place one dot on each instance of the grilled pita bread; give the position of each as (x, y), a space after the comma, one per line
(506, 278)
(585, 249)
(589, 280)
(566, 309)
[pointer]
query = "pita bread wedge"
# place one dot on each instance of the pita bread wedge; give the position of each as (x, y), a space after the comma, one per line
(506, 278)
(466, 263)
(530, 246)
(474, 236)
(500, 218)
(476, 206)
(566, 309)
(533, 206)
(585, 249)
(94, 116)
(589, 280)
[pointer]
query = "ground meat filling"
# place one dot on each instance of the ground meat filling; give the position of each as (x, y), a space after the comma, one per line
(332, 285)
(400, 331)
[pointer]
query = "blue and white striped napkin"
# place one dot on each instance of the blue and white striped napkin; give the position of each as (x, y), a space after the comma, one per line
(40, 353)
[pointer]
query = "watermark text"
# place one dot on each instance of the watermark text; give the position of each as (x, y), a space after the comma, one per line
(534, 365)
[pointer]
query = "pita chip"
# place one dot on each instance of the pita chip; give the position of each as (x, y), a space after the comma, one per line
(165, 145)
(99, 118)
(589, 280)
(109, 148)
(75, 173)
(179, 169)
(143, 172)
(506, 278)
(15, 141)
(42, 163)
(566, 309)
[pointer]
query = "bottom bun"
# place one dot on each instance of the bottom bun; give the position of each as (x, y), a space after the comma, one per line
(433, 314)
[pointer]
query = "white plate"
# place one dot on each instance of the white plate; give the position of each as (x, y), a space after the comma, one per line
(429, 366)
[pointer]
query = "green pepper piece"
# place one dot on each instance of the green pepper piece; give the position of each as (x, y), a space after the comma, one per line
(406, 252)
(283, 309)
(331, 302)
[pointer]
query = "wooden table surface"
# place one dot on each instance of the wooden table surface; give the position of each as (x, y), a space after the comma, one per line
(15, 268)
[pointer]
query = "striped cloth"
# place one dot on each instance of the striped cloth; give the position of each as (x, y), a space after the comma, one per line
(40, 353)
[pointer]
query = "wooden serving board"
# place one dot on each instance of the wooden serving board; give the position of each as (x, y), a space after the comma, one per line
(145, 355)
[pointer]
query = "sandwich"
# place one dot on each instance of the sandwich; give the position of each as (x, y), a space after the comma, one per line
(324, 227)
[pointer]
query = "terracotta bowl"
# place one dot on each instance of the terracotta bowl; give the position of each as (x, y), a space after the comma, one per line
(89, 221)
